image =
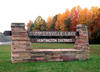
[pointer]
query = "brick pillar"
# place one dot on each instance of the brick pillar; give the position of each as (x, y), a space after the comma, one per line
(82, 42)
(21, 47)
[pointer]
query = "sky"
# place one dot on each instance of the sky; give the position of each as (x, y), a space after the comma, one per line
(24, 10)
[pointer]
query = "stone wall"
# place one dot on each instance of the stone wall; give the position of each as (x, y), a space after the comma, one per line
(56, 54)
(21, 48)
(82, 42)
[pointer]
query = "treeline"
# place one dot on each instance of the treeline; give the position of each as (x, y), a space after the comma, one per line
(68, 20)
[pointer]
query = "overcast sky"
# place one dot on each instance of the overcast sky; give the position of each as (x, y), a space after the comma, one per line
(25, 10)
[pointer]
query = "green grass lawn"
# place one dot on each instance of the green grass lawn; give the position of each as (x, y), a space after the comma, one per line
(91, 65)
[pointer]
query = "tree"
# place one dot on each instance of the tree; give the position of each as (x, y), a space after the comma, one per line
(65, 20)
(43, 26)
(39, 24)
(49, 23)
(67, 23)
(58, 22)
(95, 36)
(74, 18)
(29, 25)
(92, 27)
(98, 19)
(53, 23)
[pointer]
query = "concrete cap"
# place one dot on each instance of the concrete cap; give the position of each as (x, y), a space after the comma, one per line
(81, 25)
(17, 24)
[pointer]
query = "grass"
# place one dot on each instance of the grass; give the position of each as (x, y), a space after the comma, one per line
(51, 45)
(91, 65)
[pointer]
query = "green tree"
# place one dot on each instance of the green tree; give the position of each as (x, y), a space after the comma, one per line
(31, 27)
(67, 23)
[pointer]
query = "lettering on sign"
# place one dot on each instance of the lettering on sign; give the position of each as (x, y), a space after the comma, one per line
(51, 33)
(52, 40)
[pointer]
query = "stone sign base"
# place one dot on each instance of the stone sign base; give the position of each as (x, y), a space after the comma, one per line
(21, 48)
(51, 55)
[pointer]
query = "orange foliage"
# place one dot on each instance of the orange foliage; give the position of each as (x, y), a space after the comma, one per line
(77, 15)
(60, 20)
(29, 24)
(69, 19)
(49, 22)
(74, 16)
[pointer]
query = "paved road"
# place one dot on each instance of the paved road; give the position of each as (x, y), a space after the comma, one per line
(5, 43)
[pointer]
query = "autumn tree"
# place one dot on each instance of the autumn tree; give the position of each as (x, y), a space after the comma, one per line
(92, 27)
(74, 18)
(61, 21)
(67, 23)
(49, 23)
(52, 27)
(95, 31)
(98, 20)
(29, 25)
(58, 22)
(39, 24)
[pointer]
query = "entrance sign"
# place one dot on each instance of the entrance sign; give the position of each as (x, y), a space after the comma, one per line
(22, 51)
